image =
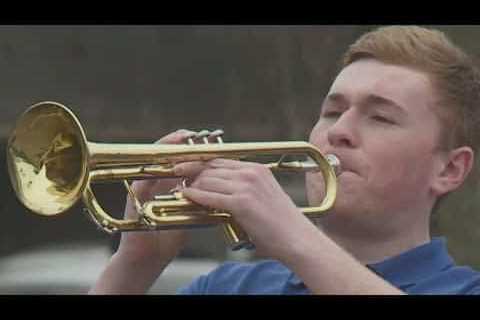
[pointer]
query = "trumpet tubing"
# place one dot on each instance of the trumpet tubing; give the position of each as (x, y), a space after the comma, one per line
(52, 166)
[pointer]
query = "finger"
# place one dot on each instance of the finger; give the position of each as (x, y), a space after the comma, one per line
(190, 169)
(178, 136)
(145, 190)
(213, 184)
(228, 163)
(220, 173)
(193, 170)
(206, 198)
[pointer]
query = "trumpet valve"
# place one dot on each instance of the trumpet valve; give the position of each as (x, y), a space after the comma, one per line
(217, 134)
(203, 135)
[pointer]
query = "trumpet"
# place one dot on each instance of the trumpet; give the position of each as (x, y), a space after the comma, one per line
(52, 166)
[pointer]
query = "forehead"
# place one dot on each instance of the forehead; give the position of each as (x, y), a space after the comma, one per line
(404, 85)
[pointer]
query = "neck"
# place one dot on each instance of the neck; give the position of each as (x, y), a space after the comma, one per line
(369, 246)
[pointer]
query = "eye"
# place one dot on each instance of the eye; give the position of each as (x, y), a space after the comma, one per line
(383, 119)
(331, 114)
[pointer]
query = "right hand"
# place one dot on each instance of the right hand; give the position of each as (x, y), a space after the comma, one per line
(153, 247)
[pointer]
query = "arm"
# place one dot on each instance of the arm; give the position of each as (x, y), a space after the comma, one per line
(142, 256)
(340, 273)
(127, 275)
(250, 192)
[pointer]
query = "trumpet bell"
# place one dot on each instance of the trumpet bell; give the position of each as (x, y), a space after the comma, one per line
(47, 158)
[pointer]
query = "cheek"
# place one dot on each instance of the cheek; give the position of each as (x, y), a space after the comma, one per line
(318, 135)
(315, 188)
(400, 177)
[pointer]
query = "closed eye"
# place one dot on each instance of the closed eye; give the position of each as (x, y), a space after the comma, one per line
(332, 114)
(383, 119)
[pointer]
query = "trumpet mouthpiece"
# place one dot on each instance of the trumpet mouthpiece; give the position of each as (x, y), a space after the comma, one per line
(334, 162)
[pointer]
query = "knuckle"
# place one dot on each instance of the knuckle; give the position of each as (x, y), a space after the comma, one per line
(200, 182)
(213, 162)
(189, 168)
(182, 131)
(245, 194)
(261, 169)
(245, 190)
(240, 200)
(250, 174)
(174, 137)
(197, 183)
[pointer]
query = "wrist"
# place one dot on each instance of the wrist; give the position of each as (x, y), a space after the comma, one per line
(134, 259)
(154, 248)
(125, 275)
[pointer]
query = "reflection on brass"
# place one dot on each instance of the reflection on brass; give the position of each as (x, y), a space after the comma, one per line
(51, 166)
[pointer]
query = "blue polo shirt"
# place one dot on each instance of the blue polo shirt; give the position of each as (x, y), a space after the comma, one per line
(427, 269)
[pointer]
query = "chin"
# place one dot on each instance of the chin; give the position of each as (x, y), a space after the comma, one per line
(343, 208)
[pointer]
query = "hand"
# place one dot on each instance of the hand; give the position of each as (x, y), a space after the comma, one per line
(250, 192)
(153, 247)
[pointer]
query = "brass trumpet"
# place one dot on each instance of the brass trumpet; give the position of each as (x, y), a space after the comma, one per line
(52, 165)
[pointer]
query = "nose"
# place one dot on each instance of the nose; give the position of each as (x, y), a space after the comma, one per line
(343, 132)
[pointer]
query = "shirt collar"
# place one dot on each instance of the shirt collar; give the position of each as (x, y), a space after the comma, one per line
(415, 264)
(409, 267)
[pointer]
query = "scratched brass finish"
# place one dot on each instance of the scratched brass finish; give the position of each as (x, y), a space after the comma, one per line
(52, 165)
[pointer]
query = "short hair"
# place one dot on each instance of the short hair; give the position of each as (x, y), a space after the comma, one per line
(453, 74)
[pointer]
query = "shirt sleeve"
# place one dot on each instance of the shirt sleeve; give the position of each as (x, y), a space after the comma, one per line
(224, 279)
(196, 287)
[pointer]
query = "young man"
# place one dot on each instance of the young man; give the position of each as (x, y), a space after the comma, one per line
(401, 118)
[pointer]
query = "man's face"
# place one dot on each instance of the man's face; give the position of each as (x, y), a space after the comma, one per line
(379, 120)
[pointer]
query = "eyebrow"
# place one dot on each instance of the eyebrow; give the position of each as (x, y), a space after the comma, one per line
(369, 100)
(335, 97)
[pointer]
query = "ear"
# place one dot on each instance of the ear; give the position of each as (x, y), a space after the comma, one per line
(453, 170)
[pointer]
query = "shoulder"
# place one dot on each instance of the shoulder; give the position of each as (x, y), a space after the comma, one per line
(238, 278)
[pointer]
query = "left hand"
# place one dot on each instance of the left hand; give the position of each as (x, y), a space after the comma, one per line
(250, 192)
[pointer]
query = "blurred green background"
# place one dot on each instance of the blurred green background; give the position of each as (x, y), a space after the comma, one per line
(138, 83)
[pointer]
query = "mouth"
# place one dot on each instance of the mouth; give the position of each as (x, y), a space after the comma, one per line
(341, 166)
